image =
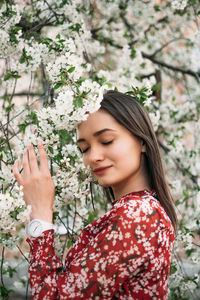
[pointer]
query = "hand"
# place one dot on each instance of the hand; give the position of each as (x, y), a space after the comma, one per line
(38, 186)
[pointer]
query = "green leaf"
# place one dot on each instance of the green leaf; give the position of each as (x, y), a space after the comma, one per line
(46, 41)
(71, 70)
(11, 74)
(10, 271)
(173, 268)
(15, 212)
(58, 157)
(12, 12)
(75, 27)
(78, 102)
(50, 149)
(23, 126)
(13, 32)
(65, 137)
(190, 251)
(7, 76)
(92, 216)
(24, 57)
(1, 3)
(4, 292)
(58, 85)
(69, 243)
(156, 8)
(55, 214)
(9, 107)
(33, 117)
(133, 53)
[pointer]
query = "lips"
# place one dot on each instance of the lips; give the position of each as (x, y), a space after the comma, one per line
(101, 170)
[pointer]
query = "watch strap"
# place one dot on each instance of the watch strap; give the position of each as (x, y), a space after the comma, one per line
(45, 226)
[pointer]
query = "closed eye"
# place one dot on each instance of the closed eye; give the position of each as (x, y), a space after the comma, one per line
(107, 143)
(85, 150)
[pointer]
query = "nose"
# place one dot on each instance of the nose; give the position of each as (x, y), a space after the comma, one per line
(95, 155)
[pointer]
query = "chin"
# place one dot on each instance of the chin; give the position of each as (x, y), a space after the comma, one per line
(104, 184)
(107, 183)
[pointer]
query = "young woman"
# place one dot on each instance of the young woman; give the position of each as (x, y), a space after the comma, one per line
(126, 253)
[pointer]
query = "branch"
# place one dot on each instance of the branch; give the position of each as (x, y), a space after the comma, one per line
(147, 75)
(128, 26)
(94, 32)
(7, 141)
(168, 43)
(2, 261)
(158, 91)
(24, 256)
(21, 112)
(22, 94)
(50, 8)
(184, 274)
(163, 19)
(197, 245)
(151, 57)
(33, 27)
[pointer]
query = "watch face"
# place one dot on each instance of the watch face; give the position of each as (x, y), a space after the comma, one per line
(35, 228)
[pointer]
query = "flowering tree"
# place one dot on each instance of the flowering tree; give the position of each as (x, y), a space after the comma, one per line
(57, 59)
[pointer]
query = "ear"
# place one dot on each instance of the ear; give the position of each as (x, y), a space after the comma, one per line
(143, 146)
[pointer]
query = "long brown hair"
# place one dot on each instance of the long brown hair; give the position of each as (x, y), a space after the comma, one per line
(130, 113)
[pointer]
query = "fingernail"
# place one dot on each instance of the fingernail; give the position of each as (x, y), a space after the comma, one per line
(40, 144)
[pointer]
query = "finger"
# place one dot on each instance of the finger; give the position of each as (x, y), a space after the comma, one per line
(43, 158)
(32, 159)
(25, 163)
(16, 173)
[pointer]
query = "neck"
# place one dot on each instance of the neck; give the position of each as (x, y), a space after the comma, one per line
(120, 192)
(140, 181)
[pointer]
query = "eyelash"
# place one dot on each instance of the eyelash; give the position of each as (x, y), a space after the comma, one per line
(106, 143)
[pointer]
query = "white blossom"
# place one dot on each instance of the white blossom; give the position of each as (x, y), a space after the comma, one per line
(179, 4)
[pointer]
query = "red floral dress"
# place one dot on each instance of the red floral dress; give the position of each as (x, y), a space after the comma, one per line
(125, 254)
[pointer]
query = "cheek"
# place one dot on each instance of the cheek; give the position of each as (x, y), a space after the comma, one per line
(85, 160)
(128, 154)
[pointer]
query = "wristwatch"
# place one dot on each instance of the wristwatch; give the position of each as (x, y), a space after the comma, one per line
(36, 227)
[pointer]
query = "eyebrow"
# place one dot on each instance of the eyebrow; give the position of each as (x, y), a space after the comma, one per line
(97, 134)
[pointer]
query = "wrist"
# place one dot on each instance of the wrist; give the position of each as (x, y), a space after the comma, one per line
(43, 214)
(36, 227)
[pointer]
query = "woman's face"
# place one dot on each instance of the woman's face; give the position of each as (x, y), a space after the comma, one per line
(112, 152)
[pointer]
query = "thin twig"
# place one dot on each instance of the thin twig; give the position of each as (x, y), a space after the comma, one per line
(27, 286)
(184, 274)
(91, 192)
(23, 254)
(2, 261)
(168, 43)
(21, 112)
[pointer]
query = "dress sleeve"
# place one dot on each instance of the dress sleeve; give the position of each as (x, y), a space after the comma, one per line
(124, 246)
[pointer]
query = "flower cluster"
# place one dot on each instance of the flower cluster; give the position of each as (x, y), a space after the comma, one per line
(13, 209)
(179, 4)
(10, 34)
